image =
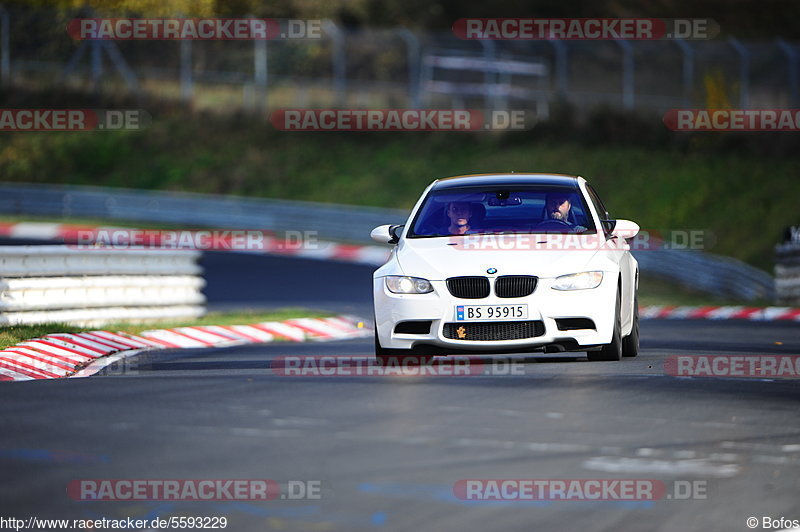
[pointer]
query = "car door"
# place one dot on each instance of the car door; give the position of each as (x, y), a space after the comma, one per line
(620, 253)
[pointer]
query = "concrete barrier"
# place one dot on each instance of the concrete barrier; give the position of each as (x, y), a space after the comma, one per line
(92, 286)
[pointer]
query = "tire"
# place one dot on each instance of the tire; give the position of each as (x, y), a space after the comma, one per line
(630, 344)
(612, 351)
(398, 357)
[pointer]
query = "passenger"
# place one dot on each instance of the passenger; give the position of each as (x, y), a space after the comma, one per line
(459, 214)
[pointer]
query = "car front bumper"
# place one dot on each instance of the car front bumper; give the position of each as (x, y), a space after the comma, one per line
(545, 305)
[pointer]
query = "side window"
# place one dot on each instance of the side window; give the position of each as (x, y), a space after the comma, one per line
(605, 218)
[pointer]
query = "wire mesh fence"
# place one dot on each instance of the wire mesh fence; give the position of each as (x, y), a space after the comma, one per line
(397, 67)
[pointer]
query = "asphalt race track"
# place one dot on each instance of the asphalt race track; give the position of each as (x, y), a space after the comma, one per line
(387, 451)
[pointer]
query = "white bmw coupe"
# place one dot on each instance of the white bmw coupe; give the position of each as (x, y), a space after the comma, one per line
(507, 263)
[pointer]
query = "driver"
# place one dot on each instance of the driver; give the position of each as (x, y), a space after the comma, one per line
(557, 208)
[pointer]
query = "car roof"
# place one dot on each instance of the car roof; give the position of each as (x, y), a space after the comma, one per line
(481, 180)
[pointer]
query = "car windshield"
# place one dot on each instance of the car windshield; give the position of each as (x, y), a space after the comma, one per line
(492, 210)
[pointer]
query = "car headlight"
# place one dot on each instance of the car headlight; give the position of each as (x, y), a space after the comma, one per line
(408, 285)
(578, 281)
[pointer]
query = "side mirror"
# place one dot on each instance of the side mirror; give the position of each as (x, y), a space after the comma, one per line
(386, 234)
(625, 229)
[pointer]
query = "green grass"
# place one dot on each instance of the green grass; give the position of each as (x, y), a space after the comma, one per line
(11, 335)
(745, 199)
(14, 334)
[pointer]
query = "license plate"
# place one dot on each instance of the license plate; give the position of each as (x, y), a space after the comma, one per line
(491, 312)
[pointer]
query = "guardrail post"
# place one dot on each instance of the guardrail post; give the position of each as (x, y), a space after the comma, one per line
(425, 78)
(488, 76)
(744, 72)
(339, 60)
(562, 66)
(187, 88)
(688, 70)
(97, 64)
(791, 57)
(414, 80)
(5, 52)
(628, 67)
(260, 73)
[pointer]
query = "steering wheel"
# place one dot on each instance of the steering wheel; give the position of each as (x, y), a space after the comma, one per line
(554, 224)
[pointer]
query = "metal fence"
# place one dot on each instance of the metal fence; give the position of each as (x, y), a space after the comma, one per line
(392, 67)
(722, 276)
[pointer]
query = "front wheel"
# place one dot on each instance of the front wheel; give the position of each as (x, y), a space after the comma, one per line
(612, 351)
(630, 344)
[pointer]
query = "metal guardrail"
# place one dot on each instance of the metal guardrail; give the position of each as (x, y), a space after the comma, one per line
(719, 275)
(343, 223)
(40, 284)
(715, 274)
(787, 272)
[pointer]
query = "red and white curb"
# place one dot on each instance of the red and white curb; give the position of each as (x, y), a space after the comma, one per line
(721, 313)
(60, 355)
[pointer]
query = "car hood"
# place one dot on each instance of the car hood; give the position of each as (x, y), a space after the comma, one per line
(437, 259)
